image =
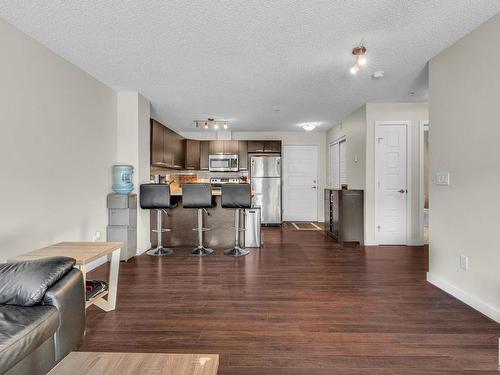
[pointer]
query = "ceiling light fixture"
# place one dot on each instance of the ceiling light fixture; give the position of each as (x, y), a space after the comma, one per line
(211, 123)
(360, 53)
(308, 127)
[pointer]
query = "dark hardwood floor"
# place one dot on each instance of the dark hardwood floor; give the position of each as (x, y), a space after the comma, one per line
(300, 305)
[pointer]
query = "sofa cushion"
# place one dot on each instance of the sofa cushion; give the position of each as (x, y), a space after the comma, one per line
(24, 329)
(25, 283)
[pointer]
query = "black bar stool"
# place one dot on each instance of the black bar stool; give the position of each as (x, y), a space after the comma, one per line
(157, 197)
(236, 196)
(198, 196)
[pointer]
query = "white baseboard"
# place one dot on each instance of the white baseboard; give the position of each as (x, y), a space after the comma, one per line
(488, 310)
(415, 243)
(371, 243)
(141, 251)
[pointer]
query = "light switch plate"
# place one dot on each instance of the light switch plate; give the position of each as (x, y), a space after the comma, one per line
(464, 262)
(443, 178)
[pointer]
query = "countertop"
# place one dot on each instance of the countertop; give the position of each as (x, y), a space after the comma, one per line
(178, 192)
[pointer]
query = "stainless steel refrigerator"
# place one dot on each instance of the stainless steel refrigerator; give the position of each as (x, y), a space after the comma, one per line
(265, 176)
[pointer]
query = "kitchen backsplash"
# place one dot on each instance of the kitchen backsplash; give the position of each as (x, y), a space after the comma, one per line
(181, 177)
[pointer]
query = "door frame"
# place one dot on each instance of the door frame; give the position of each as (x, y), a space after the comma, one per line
(284, 179)
(422, 127)
(409, 195)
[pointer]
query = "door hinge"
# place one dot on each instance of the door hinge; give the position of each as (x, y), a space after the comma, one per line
(380, 139)
(378, 228)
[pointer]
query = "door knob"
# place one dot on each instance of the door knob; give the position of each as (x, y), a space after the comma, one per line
(402, 191)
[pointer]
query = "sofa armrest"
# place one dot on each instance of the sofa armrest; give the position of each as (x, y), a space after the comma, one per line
(68, 296)
(24, 283)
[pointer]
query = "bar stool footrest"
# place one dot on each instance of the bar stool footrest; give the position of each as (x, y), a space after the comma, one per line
(239, 229)
(163, 230)
(202, 229)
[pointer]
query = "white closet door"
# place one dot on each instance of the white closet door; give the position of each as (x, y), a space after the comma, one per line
(342, 163)
(335, 165)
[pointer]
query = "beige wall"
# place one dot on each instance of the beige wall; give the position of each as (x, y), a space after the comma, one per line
(317, 138)
(464, 141)
(413, 112)
(57, 146)
(133, 148)
(353, 128)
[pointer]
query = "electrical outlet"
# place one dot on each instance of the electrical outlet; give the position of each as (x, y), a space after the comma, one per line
(464, 262)
(96, 236)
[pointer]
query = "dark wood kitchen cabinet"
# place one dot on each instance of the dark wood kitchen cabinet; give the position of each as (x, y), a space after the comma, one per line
(242, 155)
(156, 143)
(230, 147)
(223, 147)
(344, 215)
(264, 146)
(192, 160)
(167, 147)
(179, 150)
(216, 147)
(255, 146)
(173, 149)
(204, 145)
(272, 146)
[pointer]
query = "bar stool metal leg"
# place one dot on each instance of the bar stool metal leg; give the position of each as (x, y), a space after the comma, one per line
(159, 250)
(200, 249)
(237, 251)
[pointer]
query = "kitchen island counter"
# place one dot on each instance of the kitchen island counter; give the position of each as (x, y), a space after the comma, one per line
(182, 220)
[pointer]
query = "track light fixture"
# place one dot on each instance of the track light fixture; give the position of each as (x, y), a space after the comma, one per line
(211, 123)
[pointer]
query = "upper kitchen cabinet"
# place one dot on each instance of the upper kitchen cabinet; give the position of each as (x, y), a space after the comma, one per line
(178, 145)
(157, 144)
(192, 160)
(167, 147)
(216, 147)
(242, 155)
(223, 147)
(204, 145)
(264, 146)
(230, 147)
(272, 146)
(255, 146)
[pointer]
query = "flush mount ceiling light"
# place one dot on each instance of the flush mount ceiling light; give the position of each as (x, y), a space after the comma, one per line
(308, 127)
(211, 123)
(360, 53)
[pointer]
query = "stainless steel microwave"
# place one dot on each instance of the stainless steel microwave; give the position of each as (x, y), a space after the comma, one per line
(223, 163)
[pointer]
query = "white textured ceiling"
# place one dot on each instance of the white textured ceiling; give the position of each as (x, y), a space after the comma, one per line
(243, 59)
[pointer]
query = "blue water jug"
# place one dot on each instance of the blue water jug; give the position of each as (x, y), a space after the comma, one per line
(122, 179)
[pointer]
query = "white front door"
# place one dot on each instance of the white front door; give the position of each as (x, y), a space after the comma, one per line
(300, 183)
(391, 183)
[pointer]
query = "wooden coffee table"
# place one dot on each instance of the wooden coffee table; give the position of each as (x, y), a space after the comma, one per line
(86, 363)
(84, 253)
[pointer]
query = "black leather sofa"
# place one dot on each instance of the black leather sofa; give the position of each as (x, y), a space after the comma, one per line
(42, 314)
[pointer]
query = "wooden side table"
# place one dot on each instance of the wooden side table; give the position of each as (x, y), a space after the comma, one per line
(86, 363)
(84, 253)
